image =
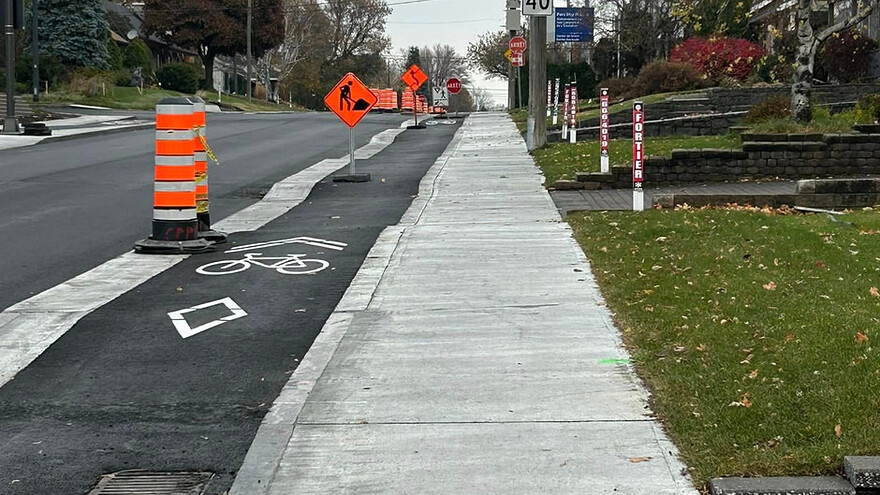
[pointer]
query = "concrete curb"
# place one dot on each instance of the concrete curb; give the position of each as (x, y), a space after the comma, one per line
(267, 450)
(862, 475)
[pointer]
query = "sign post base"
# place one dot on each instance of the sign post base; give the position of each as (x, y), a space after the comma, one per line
(604, 164)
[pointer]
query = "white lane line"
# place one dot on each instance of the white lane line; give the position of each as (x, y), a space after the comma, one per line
(311, 241)
(29, 327)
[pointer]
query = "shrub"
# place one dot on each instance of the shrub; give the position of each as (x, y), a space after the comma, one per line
(719, 56)
(117, 59)
(618, 87)
(122, 77)
(179, 77)
(138, 54)
(777, 107)
(665, 77)
(91, 82)
(869, 107)
(846, 56)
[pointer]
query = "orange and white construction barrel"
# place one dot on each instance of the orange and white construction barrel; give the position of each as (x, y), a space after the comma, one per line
(175, 224)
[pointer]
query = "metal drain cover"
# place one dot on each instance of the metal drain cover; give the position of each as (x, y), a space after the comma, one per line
(139, 482)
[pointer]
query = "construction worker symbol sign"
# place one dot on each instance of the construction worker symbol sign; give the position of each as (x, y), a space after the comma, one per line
(350, 100)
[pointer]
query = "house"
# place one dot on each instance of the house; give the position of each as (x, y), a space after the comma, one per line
(126, 23)
(772, 17)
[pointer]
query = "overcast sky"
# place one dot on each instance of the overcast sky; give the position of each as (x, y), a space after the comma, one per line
(448, 22)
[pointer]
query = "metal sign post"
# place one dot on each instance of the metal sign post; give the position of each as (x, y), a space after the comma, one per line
(10, 123)
(638, 156)
(351, 150)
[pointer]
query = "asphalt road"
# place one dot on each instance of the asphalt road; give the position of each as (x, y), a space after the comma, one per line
(122, 389)
(69, 206)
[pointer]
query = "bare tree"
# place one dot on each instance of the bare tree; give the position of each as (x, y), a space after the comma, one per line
(482, 99)
(306, 27)
(441, 62)
(357, 27)
(487, 54)
(808, 43)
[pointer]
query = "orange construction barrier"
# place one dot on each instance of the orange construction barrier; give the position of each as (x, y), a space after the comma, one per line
(175, 225)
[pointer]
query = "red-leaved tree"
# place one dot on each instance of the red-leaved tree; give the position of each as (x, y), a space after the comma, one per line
(719, 56)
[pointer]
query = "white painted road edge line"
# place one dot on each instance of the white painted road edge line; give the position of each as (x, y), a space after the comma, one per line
(29, 327)
(266, 451)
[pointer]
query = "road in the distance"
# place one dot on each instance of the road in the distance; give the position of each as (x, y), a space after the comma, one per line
(66, 207)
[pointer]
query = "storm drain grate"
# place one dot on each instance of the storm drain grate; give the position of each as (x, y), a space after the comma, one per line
(138, 482)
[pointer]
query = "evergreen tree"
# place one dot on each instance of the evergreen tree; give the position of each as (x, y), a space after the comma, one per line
(114, 55)
(74, 31)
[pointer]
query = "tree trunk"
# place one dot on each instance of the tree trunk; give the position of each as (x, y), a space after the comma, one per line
(208, 62)
(802, 85)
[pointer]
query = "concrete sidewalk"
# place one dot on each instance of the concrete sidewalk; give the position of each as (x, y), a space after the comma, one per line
(82, 126)
(472, 354)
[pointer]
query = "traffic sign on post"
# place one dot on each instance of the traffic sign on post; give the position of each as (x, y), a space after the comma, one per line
(518, 44)
(518, 59)
(440, 97)
(350, 100)
(453, 85)
(541, 8)
(414, 77)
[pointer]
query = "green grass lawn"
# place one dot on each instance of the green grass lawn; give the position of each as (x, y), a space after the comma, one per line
(563, 160)
(124, 98)
(127, 98)
(754, 331)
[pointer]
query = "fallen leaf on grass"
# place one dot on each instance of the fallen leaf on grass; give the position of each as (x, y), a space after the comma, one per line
(636, 460)
(861, 337)
(874, 292)
(838, 431)
(820, 264)
(770, 286)
(753, 375)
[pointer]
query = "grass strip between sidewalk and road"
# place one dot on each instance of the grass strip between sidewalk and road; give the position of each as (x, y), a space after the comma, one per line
(563, 160)
(753, 329)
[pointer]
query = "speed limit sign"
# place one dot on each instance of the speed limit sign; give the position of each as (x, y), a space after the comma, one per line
(537, 7)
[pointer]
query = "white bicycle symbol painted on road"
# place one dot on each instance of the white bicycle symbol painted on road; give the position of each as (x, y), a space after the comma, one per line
(292, 264)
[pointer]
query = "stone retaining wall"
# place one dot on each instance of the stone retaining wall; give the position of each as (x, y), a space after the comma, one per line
(794, 156)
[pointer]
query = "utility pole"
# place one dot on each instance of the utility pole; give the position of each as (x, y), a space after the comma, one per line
(10, 124)
(250, 9)
(35, 51)
(536, 126)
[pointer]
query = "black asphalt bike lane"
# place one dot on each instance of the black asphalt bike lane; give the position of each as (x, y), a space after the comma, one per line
(123, 390)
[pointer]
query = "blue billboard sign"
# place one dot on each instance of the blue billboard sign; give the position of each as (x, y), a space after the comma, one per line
(574, 24)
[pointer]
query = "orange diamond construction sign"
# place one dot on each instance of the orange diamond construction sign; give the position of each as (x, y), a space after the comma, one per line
(350, 100)
(414, 77)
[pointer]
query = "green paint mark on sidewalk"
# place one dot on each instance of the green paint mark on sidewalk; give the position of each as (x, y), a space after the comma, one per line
(614, 361)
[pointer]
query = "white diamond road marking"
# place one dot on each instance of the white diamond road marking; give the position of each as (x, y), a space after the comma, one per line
(185, 331)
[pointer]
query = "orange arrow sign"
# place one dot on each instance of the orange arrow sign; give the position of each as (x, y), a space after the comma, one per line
(350, 100)
(414, 77)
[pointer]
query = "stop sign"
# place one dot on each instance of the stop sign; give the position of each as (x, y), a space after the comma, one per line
(517, 44)
(453, 85)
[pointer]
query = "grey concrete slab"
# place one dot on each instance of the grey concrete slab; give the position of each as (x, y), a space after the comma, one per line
(478, 355)
(863, 471)
(783, 485)
(504, 459)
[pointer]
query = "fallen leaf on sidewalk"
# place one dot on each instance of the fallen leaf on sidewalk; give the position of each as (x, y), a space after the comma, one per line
(636, 460)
